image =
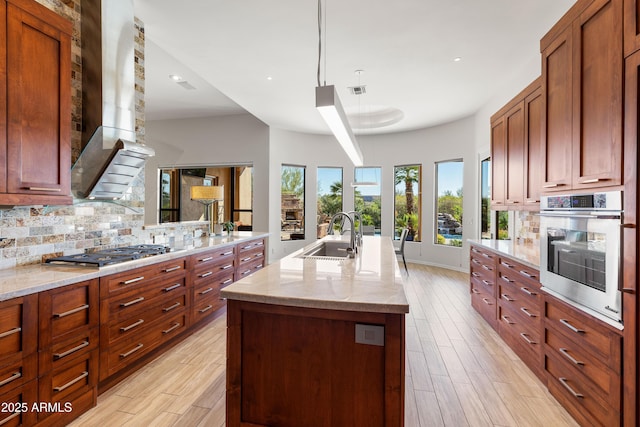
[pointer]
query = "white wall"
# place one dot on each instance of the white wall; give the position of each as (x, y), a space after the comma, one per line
(227, 140)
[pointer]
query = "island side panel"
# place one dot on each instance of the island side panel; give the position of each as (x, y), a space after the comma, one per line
(290, 365)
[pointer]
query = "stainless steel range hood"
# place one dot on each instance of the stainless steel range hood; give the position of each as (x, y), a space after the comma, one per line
(111, 159)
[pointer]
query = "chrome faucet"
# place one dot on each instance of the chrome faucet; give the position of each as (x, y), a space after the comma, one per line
(358, 236)
(352, 243)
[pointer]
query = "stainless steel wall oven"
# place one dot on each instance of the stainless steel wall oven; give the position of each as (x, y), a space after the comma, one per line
(580, 250)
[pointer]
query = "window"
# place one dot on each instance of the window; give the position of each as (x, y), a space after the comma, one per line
(485, 196)
(242, 197)
(367, 196)
(292, 203)
(169, 195)
(503, 220)
(449, 203)
(407, 201)
(329, 197)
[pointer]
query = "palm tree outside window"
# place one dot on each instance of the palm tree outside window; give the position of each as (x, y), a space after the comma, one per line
(407, 201)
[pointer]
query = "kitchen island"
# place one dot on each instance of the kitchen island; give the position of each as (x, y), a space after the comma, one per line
(318, 341)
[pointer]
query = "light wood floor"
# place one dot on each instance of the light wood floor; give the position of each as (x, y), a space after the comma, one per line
(458, 372)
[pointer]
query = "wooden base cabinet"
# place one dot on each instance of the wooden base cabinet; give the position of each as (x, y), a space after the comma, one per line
(291, 366)
(483, 284)
(582, 361)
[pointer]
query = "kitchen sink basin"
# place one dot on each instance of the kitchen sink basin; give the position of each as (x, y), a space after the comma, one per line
(328, 249)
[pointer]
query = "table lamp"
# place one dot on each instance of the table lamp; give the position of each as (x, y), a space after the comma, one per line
(208, 195)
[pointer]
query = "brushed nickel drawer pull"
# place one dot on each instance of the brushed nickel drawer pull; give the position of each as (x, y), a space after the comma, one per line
(570, 326)
(553, 185)
(246, 259)
(130, 281)
(226, 267)
(487, 256)
(9, 418)
(13, 377)
(487, 268)
(507, 297)
(206, 291)
(246, 272)
(526, 338)
(130, 352)
(475, 250)
(58, 356)
(70, 312)
(169, 270)
(131, 326)
(527, 312)
(10, 332)
(208, 273)
(573, 360)
(475, 261)
(133, 301)
(506, 279)
(85, 374)
(171, 307)
(486, 282)
(563, 381)
(525, 274)
(528, 291)
(227, 281)
(226, 253)
(506, 319)
(207, 308)
(532, 201)
(475, 274)
(170, 288)
(506, 264)
(486, 301)
(173, 327)
(53, 190)
(209, 258)
(475, 291)
(247, 247)
(592, 181)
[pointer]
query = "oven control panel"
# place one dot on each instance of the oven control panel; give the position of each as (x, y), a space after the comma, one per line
(609, 201)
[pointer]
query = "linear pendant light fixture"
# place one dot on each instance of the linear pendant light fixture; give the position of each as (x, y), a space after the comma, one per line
(330, 108)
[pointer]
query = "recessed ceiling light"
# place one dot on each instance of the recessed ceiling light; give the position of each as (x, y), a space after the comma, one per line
(269, 78)
(175, 77)
(457, 59)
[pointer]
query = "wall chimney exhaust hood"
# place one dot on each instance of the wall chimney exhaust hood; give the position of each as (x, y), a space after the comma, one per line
(111, 159)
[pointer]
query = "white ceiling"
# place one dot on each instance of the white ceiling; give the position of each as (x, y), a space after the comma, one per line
(228, 49)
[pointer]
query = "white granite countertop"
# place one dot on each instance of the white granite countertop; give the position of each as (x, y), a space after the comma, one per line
(370, 282)
(527, 254)
(20, 281)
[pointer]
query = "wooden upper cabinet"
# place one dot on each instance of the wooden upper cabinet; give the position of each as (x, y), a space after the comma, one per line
(37, 159)
(533, 112)
(498, 162)
(515, 144)
(557, 119)
(631, 26)
(582, 71)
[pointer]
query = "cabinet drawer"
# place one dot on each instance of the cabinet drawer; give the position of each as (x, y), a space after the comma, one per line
(205, 288)
(574, 393)
(18, 326)
(588, 333)
(251, 246)
(140, 277)
(132, 303)
(206, 306)
(15, 400)
(71, 348)
(487, 286)
(212, 257)
(142, 320)
(523, 302)
(72, 378)
(590, 367)
(522, 332)
(208, 271)
(529, 277)
(249, 268)
(129, 350)
(68, 310)
(250, 256)
(17, 372)
(484, 304)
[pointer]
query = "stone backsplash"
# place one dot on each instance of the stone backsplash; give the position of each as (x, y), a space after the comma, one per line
(527, 228)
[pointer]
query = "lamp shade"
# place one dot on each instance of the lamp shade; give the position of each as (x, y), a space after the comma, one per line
(207, 192)
(330, 108)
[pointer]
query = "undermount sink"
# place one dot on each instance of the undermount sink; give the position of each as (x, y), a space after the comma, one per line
(328, 249)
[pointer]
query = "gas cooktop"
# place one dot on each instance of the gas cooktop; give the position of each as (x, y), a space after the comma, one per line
(109, 256)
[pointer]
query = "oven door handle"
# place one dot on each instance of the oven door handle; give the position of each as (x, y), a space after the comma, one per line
(591, 215)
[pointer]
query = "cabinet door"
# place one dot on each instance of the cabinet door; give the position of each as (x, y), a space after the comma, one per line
(631, 26)
(38, 105)
(498, 163)
(597, 105)
(533, 108)
(514, 120)
(557, 71)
